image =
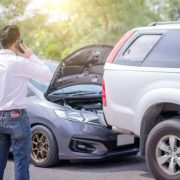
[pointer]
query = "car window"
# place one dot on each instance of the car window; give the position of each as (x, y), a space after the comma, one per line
(79, 88)
(52, 65)
(30, 92)
(40, 85)
(139, 49)
(166, 53)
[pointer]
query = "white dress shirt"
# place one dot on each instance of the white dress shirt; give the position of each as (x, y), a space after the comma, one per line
(15, 72)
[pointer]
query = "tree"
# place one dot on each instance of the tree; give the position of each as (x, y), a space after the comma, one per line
(167, 9)
(11, 10)
(86, 22)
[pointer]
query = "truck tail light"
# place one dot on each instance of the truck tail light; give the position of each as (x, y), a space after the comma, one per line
(104, 94)
(118, 46)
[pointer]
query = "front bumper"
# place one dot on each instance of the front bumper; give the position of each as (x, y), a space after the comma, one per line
(78, 141)
(88, 149)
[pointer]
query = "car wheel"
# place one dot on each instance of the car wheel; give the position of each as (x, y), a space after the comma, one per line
(163, 150)
(44, 147)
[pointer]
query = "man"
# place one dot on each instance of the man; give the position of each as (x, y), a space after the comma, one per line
(15, 70)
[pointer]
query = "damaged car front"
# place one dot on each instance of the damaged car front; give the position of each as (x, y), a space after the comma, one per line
(67, 120)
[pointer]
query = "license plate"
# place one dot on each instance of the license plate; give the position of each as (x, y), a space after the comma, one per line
(125, 139)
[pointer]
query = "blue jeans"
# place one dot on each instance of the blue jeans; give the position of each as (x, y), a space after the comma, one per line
(15, 133)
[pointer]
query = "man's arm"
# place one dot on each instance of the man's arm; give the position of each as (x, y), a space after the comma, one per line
(33, 67)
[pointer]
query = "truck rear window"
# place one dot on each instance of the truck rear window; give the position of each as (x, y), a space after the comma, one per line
(140, 48)
(167, 52)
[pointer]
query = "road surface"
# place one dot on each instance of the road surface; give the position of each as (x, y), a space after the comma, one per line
(126, 168)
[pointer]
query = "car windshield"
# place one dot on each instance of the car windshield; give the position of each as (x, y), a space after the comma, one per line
(81, 89)
(40, 85)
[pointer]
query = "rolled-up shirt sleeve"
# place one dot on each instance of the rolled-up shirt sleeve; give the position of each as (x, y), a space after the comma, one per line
(36, 69)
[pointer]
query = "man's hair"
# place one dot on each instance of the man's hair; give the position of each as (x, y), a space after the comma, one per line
(8, 35)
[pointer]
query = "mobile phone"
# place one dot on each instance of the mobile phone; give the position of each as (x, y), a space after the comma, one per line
(18, 42)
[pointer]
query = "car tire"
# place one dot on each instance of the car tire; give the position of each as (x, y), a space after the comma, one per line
(44, 147)
(163, 150)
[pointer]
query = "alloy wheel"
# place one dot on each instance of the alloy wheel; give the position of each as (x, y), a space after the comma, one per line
(168, 154)
(40, 147)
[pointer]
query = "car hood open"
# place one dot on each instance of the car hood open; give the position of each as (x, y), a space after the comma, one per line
(82, 66)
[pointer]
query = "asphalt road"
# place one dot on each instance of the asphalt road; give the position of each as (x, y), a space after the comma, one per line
(126, 168)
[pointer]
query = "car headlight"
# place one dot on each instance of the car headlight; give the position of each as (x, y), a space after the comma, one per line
(82, 116)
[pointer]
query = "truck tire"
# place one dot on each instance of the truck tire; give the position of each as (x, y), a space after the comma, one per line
(163, 150)
(44, 147)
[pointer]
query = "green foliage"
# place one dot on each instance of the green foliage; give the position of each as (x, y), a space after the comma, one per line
(167, 9)
(105, 21)
(12, 9)
(86, 22)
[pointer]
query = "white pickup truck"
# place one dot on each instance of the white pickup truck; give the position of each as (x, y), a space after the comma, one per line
(141, 94)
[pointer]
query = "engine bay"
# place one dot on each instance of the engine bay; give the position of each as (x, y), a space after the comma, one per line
(88, 104)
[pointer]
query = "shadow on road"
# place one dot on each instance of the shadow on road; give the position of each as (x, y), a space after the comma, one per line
(131, 163)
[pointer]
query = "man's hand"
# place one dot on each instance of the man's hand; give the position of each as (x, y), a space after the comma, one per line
(27, 51)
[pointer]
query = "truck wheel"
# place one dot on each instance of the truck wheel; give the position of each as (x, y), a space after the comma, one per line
(44, 147)
(163, 150)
